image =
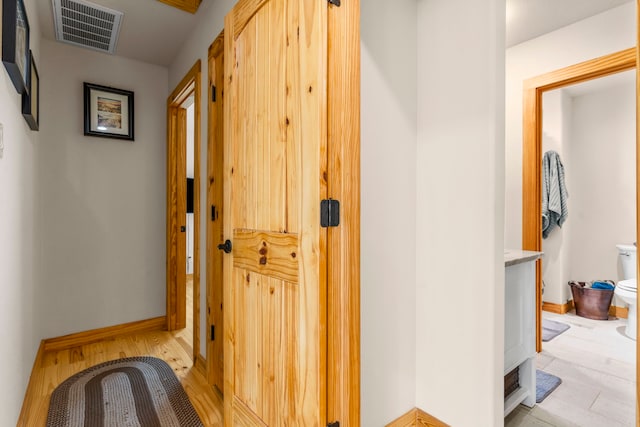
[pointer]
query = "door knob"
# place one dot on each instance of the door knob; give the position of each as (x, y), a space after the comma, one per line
(226, 246)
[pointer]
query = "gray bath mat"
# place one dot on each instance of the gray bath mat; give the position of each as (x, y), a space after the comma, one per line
(551, 329)
(545, 384)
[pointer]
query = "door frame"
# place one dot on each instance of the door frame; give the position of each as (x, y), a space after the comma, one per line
(215, 217)
(176, 191)
(343, 242)
(534, 89)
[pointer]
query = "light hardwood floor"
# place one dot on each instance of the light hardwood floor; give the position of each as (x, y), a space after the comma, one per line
(172, 347)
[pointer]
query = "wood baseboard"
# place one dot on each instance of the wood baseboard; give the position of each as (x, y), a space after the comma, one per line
(95, 335)
(619, 312)
(557, 308)
(27, 402)
(417, 418)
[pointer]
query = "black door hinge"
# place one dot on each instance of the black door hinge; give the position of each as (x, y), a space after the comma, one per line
(213, 94)
(214, 213)
(335, 3)
(329, 213)
(213, 333)
(335, 424)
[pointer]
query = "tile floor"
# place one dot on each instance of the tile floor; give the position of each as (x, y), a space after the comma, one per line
(596, 363)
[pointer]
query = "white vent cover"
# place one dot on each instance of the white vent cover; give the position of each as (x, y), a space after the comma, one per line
(85, 24)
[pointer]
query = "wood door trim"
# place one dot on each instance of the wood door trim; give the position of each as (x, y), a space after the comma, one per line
(227, 263)
(215, 230)
(637, 65)
(190, 84)
(532, 149)
(343, 297)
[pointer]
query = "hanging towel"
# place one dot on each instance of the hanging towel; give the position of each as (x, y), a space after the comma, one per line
(554, 193)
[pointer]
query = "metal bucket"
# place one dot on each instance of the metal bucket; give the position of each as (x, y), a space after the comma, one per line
(591, 303)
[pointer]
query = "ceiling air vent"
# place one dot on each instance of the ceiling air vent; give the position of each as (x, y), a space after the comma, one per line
(85, 24)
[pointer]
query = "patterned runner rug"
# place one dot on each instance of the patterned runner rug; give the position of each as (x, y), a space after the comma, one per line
(137, 391)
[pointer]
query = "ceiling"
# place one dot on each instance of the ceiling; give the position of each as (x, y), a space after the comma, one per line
(153, 31)
(527, 19)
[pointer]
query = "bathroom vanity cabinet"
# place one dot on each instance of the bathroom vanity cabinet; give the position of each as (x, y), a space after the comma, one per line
(520, 327)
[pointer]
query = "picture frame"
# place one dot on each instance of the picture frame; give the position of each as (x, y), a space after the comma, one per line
(31, 97)
(15, 42)
(108, 112)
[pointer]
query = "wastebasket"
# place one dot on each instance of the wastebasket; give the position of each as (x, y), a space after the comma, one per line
(591, 303)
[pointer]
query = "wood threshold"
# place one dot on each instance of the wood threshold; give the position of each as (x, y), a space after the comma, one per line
(417, 418)
(99, 334)
(201, 365)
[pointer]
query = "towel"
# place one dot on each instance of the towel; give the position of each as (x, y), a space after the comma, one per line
(602, 285)
(554, 193)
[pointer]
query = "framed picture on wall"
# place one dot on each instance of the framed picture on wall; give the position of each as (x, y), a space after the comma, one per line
(15, 42)
(31, 97)
(108, 112)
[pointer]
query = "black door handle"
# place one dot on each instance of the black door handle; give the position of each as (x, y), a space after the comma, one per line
(226, 246)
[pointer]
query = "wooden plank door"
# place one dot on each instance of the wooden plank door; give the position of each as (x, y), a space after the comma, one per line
(215, 231)
(275, 178)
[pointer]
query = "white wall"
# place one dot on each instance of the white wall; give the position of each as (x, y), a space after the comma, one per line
(19, 240)
(599, 35)
(209, 23)
(603, 175)
(103, 200)
(460, 211)
(388, 219)
(556, 136)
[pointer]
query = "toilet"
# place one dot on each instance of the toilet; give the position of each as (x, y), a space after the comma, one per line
(627, 289)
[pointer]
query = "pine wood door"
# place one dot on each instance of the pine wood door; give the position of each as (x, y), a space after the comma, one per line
(275, 177)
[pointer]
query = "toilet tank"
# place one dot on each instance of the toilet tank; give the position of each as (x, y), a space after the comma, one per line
(628, 258)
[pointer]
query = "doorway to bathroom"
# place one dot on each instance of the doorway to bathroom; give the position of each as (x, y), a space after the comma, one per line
(589, 131)
(600, 169)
